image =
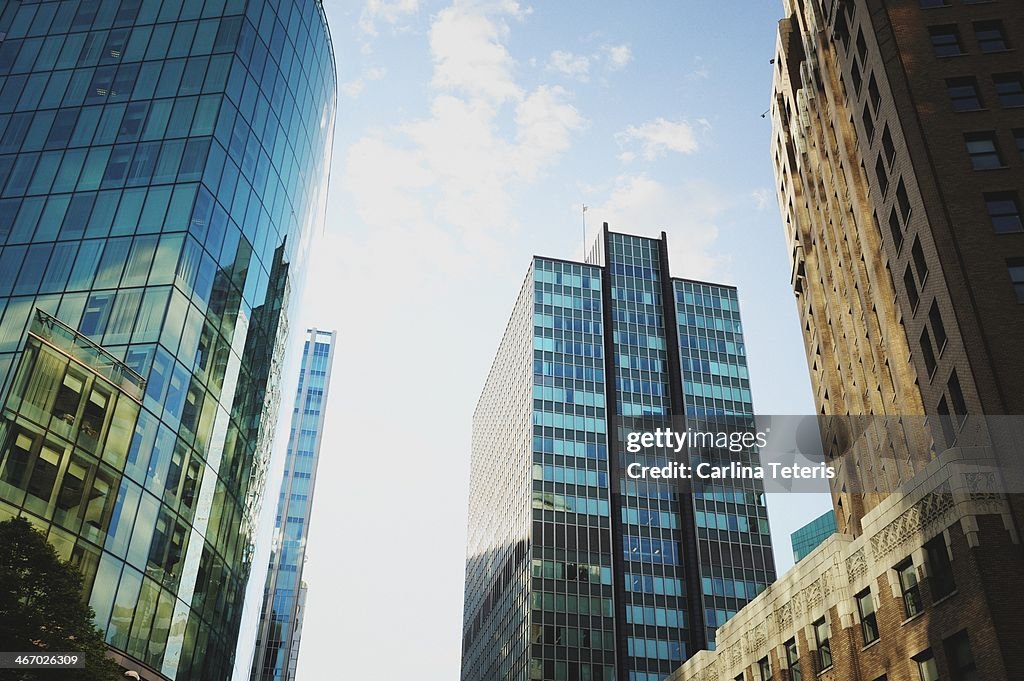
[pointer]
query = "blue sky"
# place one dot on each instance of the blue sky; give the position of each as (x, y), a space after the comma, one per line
(468, 137)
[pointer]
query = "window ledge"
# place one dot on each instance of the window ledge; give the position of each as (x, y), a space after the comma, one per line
(954, 592)
(912, 618)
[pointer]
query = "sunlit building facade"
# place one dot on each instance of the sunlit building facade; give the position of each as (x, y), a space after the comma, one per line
(163, 166)
(280, 626)
(574, 571)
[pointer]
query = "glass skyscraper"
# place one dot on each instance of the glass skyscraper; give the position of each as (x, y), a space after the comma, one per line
(277, 641)
(811, 535)
(163, 165)
(576, 572)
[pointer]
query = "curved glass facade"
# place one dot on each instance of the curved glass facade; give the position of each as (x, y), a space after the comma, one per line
(162, 168)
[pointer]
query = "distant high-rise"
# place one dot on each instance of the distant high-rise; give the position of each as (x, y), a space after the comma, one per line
(898, 144)
(278, 636)
(810, 536)
(163, 167)
(576, 572)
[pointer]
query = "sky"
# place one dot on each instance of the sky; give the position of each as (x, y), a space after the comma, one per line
(469, 136)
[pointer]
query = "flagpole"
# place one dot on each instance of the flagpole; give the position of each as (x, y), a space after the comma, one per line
(584, 232)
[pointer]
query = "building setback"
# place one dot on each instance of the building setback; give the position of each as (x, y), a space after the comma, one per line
(279, 633)
(163, 167)
(575, 572)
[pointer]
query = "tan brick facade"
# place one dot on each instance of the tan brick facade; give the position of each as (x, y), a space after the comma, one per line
(901, 279)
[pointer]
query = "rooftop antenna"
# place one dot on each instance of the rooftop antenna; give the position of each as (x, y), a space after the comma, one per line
(584, 232)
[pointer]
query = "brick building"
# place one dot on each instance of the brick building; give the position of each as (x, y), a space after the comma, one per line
(898, 129)
(907, 600)
(898, 147)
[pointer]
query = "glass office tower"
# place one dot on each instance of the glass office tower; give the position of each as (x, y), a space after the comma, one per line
(162, 167)
(277, 640)
(576, 572)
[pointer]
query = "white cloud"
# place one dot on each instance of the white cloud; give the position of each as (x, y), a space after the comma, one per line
(618, 56)
(689, 212)
(572, 65)
(390, 12)
(762, 198)
(660, 136)
(469, 55)
(700, 70)
(354, 88)
(457, 169)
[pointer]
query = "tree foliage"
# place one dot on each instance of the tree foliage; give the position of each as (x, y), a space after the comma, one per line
(42, 609)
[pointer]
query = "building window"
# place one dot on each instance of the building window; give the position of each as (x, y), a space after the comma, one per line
(764, 669)
(1016, 267)
(912, 295)
(821, 633)
(982, 149)
(991, 36)
(868, 619)
(1009, 88)
(857, 79)
(926, 668)
(869, 122)
(945, 40)
(956, 395)
(928, 353)
(948, 431)
(903, 200)
(1004, 211)
(927, 4)
(862, 46)
(896, 229)
(920, 264)
(960, 658)
(882, 175)
(910, 588)
(963, 94)
(888, 147)
(1018, 138)
(940, 568)
(873, 93)
(938, 328)
(793, 660)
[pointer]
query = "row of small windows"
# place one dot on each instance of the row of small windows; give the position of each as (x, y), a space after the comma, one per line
(588, 450)
(571, 603)
(989, 35)
(568, 421)
(653, 648)
(548, 501)
(648, 518)
(573, 572)
(965, 96)
(731, 588)
(650, 584)
(571, 476)
(550, 634)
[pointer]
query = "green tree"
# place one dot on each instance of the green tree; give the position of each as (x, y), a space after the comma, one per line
(42, 609)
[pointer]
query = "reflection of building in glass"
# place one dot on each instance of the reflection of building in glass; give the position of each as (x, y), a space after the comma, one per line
(573, 570)
(808, 537)
(162, 167)
(277, 643)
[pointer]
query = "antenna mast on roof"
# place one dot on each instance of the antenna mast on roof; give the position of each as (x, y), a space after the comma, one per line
(584, 232)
